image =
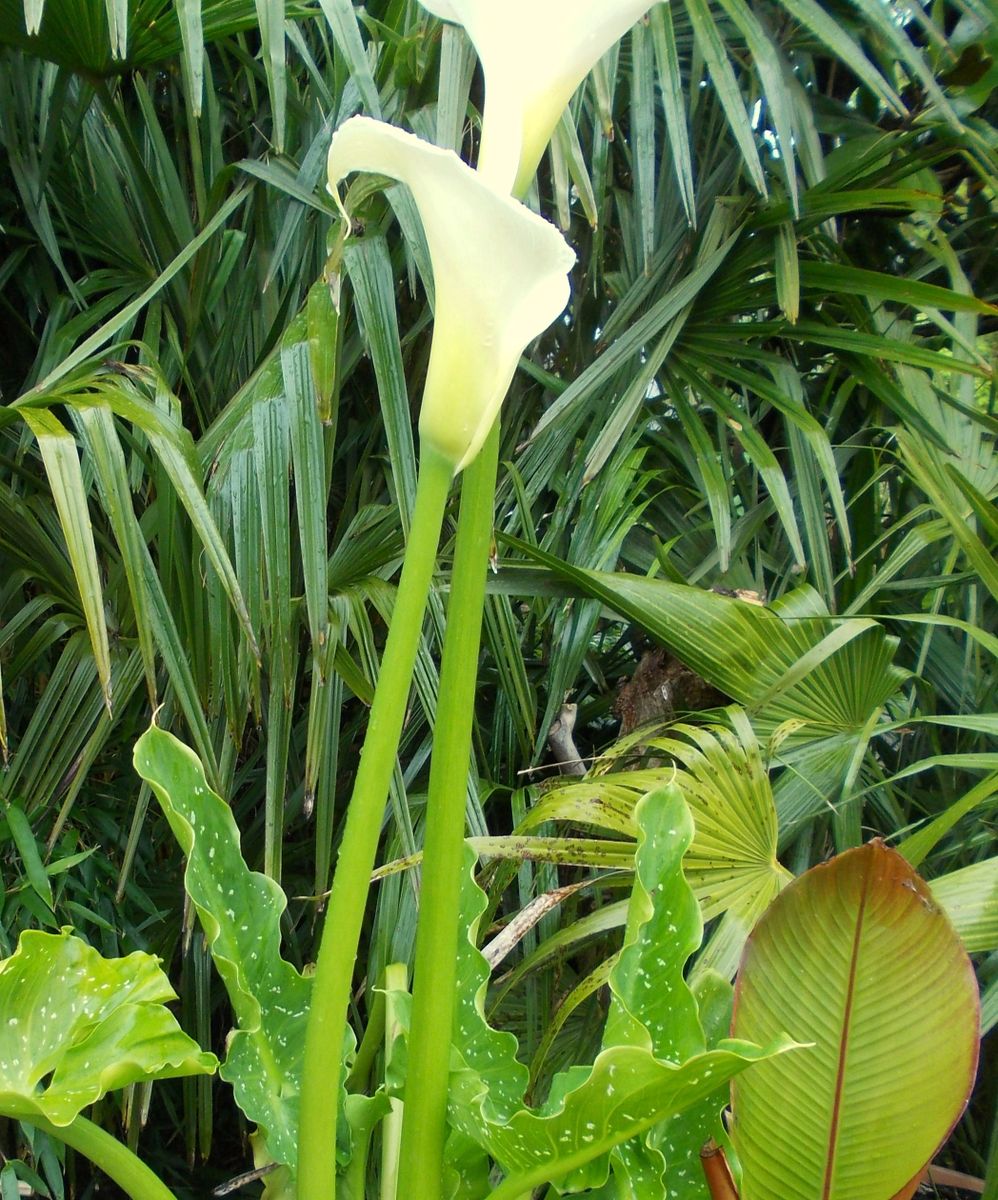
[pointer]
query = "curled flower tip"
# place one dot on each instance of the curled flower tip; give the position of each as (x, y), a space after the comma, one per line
(534, 53)
(500, 276)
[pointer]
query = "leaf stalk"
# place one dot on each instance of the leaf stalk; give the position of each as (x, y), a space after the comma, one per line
(424, 1128)
(358, 849)
(114, 1158)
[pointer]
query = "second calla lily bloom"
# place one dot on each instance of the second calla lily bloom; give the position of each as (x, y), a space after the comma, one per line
(500, 273)
(534, 53)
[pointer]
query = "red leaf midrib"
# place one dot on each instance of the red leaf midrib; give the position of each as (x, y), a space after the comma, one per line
(833, 1130)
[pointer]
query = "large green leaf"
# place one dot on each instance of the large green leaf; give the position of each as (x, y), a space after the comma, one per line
(857, 958)
(626, 1093)
(75, 1025)
(653, 1064)
(240, 912)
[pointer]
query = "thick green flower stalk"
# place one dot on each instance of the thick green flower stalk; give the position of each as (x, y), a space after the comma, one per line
(534, 53)
(500, 278)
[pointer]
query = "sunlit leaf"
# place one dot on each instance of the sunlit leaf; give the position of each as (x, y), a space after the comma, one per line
(76, 1025)
(732, 859)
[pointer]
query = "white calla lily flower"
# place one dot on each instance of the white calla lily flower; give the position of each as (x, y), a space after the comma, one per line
(500, 275)
(534, 53)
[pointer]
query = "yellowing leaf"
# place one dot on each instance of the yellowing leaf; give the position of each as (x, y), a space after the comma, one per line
(857, 958)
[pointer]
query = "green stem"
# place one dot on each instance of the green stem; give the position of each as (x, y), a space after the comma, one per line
(396, 981)
(355, 1175)
(351, 881)
(117, 1162)
(359, 1078)
(435, 974)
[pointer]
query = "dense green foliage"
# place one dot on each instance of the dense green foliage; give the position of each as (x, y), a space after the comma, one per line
(777, 370)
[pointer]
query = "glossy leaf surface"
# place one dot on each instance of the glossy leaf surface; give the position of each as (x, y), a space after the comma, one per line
(76, 1025)
(652, 1065)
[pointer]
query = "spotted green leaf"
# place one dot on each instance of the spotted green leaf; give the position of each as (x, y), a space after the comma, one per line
(240, 912)
(683, 1137)
(489, 1055)
(652, 1005)
(630, 1088)
(75, 1025)
(626, 1093)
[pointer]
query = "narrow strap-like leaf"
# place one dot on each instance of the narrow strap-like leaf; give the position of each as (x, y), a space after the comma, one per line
(62, 465)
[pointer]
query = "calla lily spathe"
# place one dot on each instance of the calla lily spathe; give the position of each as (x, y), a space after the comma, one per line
(534, 53)
(500, 274)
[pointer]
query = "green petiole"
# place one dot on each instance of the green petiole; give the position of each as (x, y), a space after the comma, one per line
(351, 880)
(424, 1128)
(117, 1162)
